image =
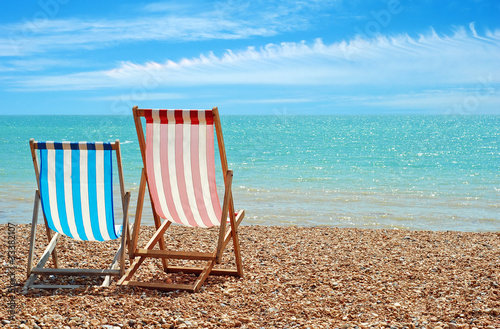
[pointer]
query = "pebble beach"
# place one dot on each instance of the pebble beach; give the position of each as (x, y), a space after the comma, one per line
(294, 277)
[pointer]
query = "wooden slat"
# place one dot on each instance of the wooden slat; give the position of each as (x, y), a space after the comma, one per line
(29, 283)
(33, 146)
(74, 271)
(175, 254)
(131, 270)
(158, 234)
(48, 231)
(35, 161)
(139, 112)
(220, 142)
(228, 236)
(150, 245)
(41, 263)
(116, 146)
(120, 255)
(48, 250)
(138, 214)
(160, 286)
(107, 280)
(236, 244)
(222, 148)
(33, 233)
(55, 286)
(158, 224)
(225, 210)
(140, 132)
(198, 270)
(203, 276)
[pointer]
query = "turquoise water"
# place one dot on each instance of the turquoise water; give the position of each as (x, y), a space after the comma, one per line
(406, 172)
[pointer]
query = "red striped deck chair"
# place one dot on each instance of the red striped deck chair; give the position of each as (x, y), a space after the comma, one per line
(179, 170)
(75, 189)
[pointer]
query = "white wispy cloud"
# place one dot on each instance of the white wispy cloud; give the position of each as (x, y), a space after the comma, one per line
(76, 34)
(271, 101)
(143, 96)
(431, 59)
(163, 21)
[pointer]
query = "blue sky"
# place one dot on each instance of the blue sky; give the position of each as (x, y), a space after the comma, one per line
(251, 57)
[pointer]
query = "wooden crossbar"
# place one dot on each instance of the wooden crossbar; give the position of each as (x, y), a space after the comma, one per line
(161, 286)
(55, 286)
(74, 271)
(239, 218)
(175, 254)
(198, 270)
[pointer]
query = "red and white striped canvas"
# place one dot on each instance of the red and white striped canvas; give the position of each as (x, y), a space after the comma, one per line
(180, 165)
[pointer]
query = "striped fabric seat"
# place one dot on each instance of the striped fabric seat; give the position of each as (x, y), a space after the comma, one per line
(76, 189)
(181, 166)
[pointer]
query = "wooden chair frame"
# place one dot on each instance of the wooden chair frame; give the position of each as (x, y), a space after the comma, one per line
(211, 258)
(39, 269)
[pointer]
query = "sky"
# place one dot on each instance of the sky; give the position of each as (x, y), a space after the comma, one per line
(251, 57)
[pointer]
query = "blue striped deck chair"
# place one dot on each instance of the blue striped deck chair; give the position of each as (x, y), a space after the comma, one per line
(75, 189)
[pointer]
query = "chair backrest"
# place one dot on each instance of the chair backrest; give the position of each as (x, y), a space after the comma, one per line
(76, 189)
(180, 166)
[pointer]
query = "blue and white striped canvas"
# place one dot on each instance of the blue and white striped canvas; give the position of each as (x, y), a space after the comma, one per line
(76, 188)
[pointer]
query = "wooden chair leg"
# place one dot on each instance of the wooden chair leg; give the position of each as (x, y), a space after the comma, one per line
(233, 234)
(203, 276)
(34, 223)
(236, 246)
(125, 239)
(225, 211)
(158, 236)
(202, 272)
(45, 256)
(161, 242)
(49, 238)
(114, 264)
(138, 215)
(119, 259)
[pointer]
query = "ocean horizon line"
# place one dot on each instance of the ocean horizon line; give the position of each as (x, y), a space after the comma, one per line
(276, 114)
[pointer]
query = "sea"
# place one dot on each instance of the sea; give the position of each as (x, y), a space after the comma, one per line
(438, 173)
